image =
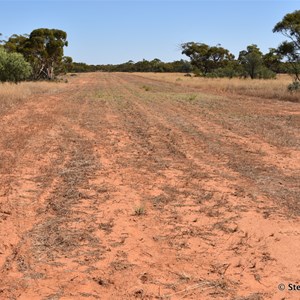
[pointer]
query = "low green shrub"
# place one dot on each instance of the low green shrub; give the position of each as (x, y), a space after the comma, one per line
(294, 87)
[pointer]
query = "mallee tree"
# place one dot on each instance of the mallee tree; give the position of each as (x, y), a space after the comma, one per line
(251, 60)
(289, 26)
(206, 58)
(43, 49)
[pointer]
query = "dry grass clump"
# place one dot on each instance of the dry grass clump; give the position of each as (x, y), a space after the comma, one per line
(11, 94)
(269, 89)
(23, 90)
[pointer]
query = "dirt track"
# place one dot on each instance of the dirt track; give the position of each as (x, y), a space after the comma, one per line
(118, 186)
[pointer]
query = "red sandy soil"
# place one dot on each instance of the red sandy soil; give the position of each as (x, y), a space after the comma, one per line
(119, 186)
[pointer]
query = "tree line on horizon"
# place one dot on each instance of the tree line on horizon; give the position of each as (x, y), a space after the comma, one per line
(155, 65)
(40, 56)
(205, 61)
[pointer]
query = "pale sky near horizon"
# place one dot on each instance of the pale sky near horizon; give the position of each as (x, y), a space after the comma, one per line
(103, 32)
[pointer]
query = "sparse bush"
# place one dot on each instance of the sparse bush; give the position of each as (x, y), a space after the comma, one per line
(294, 87)
(192, 98)
(213, 75)
(146, 88)
(140, 211)
(265, 73)
(230, 70)
(198, 73)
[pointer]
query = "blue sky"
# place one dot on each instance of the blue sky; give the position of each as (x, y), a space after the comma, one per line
(102, 32)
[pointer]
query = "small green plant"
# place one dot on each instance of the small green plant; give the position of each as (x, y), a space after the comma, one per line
(184, 276)
(294, 87)
(146, 88)
(192, 97)
(140, 210)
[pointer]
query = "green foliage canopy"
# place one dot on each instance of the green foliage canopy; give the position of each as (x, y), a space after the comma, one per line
(289, 26)
(43, 49)
(16, 43)
(252, 60)
(206, 58)
(13, 67)
(272, 60)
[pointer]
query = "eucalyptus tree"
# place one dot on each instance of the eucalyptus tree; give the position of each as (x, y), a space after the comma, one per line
(16, 43)
(43, 49)
(289, 26)
(272, 60)
(206, 58)
(251, 60)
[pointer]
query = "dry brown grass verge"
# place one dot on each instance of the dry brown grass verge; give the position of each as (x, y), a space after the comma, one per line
(269, 89)
(12, 94)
